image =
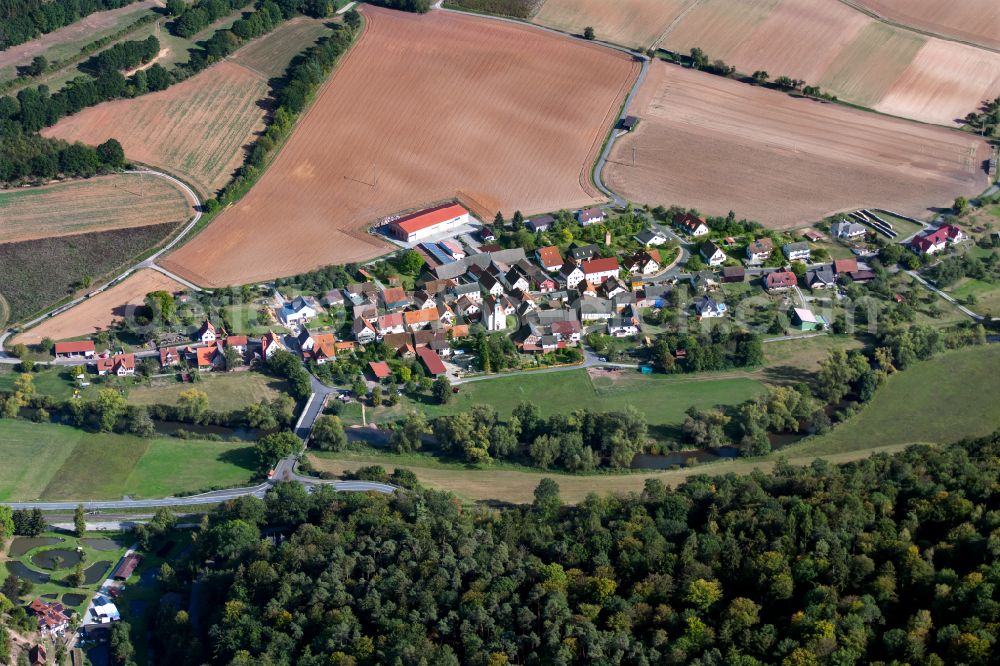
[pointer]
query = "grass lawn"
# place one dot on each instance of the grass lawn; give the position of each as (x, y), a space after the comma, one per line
(56, 462)
(795, 360)
(941, 400)
(903, 227)
(987, 294)
(56, 585)
(57, 382)
(662, 398)
(227, 391)
(245, 320)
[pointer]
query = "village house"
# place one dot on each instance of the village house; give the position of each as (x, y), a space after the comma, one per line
(467, 307)
(390, 323)
(820, 278)
(549, 258)
(612, 287)
(269, 344)
(209, 358)
(705, 281)
(452, 249)
(207, 333)
(650, 237)
(706, 307)
(847, 230)
(571, 275)
(333, 298)
(298, 310)
(169, 356)
(597, 271)
(935, 240)
(52, 618)
(540, 223)
(414, 320)
(581, 253)
(589, 216)
(363, 332)
(517, 280)
(712, 254)
(491, 284)
(121, 365)
(798, 251)
(760, 250)
(445, 314)
(395, 298)
(645, 263)
(568, 331)
(361, 292)
(780, 280)
(84, 348)
(322, 350)
(691, 224)
(622, 327)
(654, 295)
(238, 342)
(595, 309)
(470, 290)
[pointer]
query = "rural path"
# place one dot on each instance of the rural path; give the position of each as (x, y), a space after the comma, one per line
(148, 262)
(948, 297)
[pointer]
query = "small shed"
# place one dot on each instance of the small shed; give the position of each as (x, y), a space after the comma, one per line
(380, 369)
(127, 567)
(629, 123)
(807, 320)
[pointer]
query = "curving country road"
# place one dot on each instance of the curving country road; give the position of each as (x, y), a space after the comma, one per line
(149, 262)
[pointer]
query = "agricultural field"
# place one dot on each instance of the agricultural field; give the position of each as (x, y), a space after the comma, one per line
(99, 312)
(196, 129)
(37, 273)
(717, 145)
(835, 45)
(832, 45)
(67, 41)
(974, 21)
(56, 462)
(495, 138)
(226, 392)
(632, 23)
(119, 201)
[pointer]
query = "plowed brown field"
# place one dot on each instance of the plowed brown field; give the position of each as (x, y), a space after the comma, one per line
(976, 21)
(424, 108)
(96, 204)
(196, 129)
(719, 145)
(101, 311)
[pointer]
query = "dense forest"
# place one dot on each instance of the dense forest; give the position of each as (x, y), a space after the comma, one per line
(893, 559)
(23, 20)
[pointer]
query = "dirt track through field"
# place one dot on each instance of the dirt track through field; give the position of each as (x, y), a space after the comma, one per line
(102, 310)
(976, 21)
(718, 145)
(118, 201)
(424, 108)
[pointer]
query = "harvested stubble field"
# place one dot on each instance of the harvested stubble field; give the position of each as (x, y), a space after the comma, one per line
(421, 110)
(97, 204)
(718, 145)
(823, 42)
(196, 129)
(37, 273)
(102, 310)
(975, 21)
(633, 23)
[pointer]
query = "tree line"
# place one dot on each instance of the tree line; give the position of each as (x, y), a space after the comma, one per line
(892, 559)
(124, 55)
(23, 20)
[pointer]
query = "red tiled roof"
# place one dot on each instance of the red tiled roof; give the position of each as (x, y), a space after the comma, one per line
(236, 341)
(689, 221)
(845, 266)
(430, 217)
(460, 331)
(780, 279)
(380, 369)
(424, 316)
(600, 265)
(431, 361)
(126, 361)
(549, 256)
(74, 347)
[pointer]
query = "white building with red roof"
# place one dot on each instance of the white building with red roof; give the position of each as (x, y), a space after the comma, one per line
(597, 271)
(83, 348)
(426, 223)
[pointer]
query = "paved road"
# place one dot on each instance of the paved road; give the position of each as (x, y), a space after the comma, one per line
(149, 262)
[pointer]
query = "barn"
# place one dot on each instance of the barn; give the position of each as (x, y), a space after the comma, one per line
(423, 224)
